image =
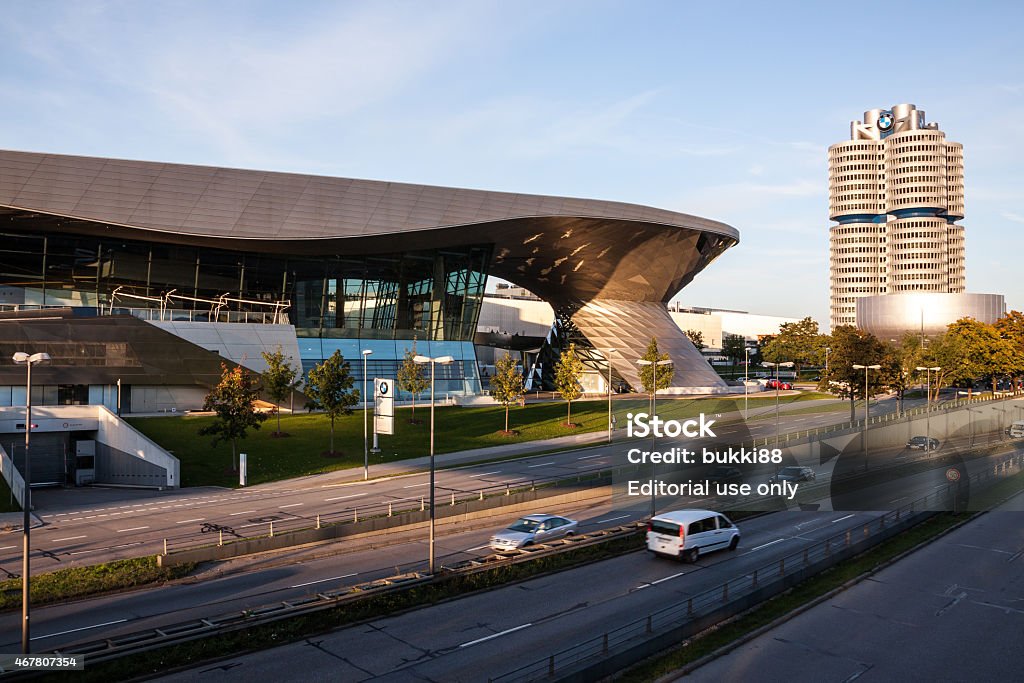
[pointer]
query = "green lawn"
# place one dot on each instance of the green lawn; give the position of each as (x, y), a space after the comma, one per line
(457, 429)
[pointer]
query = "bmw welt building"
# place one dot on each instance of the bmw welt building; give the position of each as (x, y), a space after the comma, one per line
(140, 278)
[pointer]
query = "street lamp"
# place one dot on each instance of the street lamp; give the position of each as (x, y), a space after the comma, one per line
(22, 358)
(746, 378)
(827, 350)
(608, 357)
(787, 364)
(366, 417)
(654, 414)
(928, 405)
(443, 360)
(867, 405)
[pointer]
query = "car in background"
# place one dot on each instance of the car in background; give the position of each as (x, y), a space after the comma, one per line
(533, 529)
(725, 475)
(1016, 430)
(686, 534)
(923, 443)
(785, 386)
(794, 473)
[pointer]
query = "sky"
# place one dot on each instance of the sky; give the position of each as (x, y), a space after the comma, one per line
(721, 110)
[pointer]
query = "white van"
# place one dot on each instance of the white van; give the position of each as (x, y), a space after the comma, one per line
(686, 534)
(1016, 430)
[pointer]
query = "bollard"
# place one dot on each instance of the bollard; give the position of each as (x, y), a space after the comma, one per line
(782, 567)
(355, 514)
(867, 531)
(508, 491)
(753, 580)
(533, 485)
(318, 520)
(481, 494)
(271, 529)
(165, 546)
(220, 541)
(725, 592)
(422, 507)
(453, 498)
(389, 509)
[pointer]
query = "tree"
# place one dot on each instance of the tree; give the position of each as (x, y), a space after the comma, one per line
(799, 343)
(568, 372)
(329, 389)
(987, 354)
(697, 337)
(945, 351)
(900, 363)
(734, 347)
(507, 384)
(412, 378)
(279, 380)
(850, 347)
(233, 401)
(647, 372)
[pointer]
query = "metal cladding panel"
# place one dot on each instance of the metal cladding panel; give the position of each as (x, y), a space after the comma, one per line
(893, 315)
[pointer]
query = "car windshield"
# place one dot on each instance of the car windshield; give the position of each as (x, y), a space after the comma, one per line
(525, 525)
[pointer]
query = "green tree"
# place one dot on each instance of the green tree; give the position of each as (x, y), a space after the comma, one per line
(734, 347)
(329, 388)
(233, 401)
(507, 384)
(697, 337)
(799, 343)
(899, 365)
(665, 373)
(568, 372)
(1011, 328)
(850, 347)
(412, 378)
(988, 355)
(945, 351)
(279, 380)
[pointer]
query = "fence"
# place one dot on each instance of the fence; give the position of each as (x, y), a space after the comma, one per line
(620, 647)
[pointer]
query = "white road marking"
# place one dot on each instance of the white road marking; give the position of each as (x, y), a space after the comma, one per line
(896, 500)
(134, 528)
(69, 538)
(186, 521)
(667, 578)
(778, 540)
(543, 464)
(8, 547)
(479, 547)
(495, 635)
(243, 512)
(587, 457)
(333, 578)
(84, 628)
(485, 474)
(611, 519)
(412, 486)
(842, 518)
(354, 495)
(293, 505)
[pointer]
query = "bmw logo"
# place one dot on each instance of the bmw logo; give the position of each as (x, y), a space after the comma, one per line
(383, 388)
(885, 121)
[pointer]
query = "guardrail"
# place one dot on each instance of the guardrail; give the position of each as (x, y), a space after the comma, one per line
(583, 661)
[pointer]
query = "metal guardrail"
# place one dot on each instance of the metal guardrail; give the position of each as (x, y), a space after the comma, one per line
(563, 662)
(133, 643)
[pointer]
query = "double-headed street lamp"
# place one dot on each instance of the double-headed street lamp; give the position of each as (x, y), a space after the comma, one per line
(608, 357)
(443, 360)
(867, 414)
(22, 358)
(366, 417)
(654, 414)
(928, 405)
(787, 364)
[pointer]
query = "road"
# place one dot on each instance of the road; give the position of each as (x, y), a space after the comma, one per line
(952, 611)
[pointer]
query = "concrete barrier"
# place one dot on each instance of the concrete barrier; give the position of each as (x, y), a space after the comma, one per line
(446, 514)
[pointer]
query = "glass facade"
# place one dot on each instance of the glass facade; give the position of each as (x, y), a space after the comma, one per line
(350, 303)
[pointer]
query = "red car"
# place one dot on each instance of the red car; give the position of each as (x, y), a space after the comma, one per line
(777, 384)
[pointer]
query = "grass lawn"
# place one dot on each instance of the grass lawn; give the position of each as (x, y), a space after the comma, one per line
(457, 429)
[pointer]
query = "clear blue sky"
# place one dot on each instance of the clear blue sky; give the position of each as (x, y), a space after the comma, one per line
(722, 110)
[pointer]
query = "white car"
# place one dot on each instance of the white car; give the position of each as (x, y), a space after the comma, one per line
(686, 534)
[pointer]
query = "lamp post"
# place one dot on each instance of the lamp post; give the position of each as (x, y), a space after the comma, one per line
(787, 364)
(22, 358)
(867, 405)
(443, 360)
(827, 350)
(746, 378)
(366, 417)
(928, 406)
(654, 414)
(607, 355)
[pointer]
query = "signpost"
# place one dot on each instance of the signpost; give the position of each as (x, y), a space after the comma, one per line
(383, 407)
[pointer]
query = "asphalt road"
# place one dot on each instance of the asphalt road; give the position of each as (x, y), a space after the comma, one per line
(952, 611)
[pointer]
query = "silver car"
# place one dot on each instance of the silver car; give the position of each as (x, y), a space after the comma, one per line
(533, 529)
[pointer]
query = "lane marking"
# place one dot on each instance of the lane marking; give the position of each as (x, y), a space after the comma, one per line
(135, 528)
(543, 464)
(186, 521)
(842, 518)
(896, 500)
(8, 547)
(778, 540)
(243, 512)
(479, 547)
(485, 474)
(84, 628)
(293, 505)
(69, 538)
(333, 578)
(495, 635)
(411, 486)
(354, 495)
(674, 576)
(611, 519)
(587, 457)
